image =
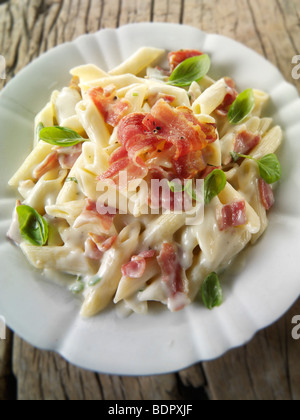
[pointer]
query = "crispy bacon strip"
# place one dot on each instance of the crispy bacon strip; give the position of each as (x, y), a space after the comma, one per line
(135, 137)
(109, 105)
(177, 126)
(173, 130)
(187, 167)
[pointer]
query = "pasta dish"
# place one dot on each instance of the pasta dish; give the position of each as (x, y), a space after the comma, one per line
(146, 181)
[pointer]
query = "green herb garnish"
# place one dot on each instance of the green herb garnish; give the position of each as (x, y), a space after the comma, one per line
(60, 136)
(214, 183)
(211, 291)
(241, 107)
(78, 286)
(72, 179)
(190, 70)
(177, 187)
(94, 281)
(33, 227)
(191, 191)
(269, 166)
(39, 127)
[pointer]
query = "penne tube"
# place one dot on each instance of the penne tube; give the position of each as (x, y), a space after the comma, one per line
(139, 61)
(97, 298)
(86, 193)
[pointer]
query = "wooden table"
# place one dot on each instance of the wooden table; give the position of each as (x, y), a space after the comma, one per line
(266, 368)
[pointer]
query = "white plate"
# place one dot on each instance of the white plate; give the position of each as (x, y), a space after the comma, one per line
(259, 288)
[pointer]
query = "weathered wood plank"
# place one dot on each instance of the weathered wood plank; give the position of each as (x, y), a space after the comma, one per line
(44, 375)
(168, 11)
(269, 27)
(277, 32)
(265, 369)
(135, 11)
(7, 379)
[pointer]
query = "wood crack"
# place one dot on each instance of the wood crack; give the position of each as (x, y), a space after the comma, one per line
(286, 27)
(257, 31)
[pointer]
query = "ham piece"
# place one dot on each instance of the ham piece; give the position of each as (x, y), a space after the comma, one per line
(173, 277)
(233, 215)
(246, 141)
(137, 265)
(93, 213)
(177, 57)
(266, 194)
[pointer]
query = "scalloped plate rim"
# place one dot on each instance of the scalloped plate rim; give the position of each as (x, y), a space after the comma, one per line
(156, 366)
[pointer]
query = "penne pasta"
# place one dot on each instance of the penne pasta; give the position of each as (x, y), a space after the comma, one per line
(211, 98)
(97, 298)
(270, 143)
(141, 184)
(139, 61)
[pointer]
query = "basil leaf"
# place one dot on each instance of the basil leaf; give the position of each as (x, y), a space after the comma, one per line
(33, 227)
(192, 192)
(241, 107)
(190, 70)
(175, 187)
(214, 183)
(211, 291)
(60, 136)
(269, 168)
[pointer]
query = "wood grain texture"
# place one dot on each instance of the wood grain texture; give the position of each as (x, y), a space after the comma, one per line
(267, 368)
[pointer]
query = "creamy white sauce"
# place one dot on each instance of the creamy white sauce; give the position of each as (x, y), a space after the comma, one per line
(65, 104)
